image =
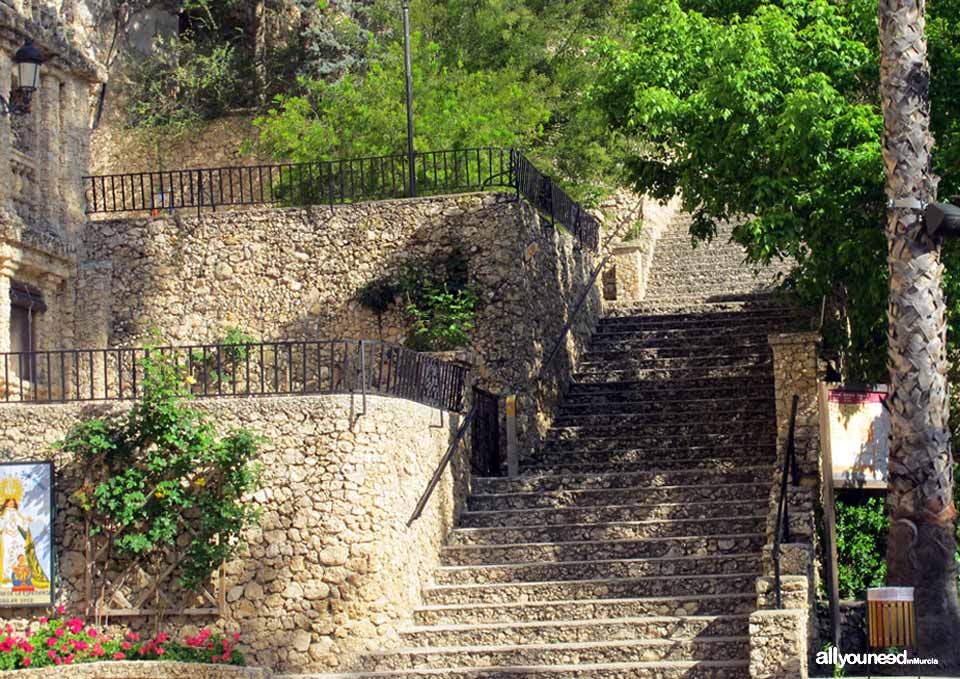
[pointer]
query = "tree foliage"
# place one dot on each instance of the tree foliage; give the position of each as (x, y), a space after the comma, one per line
(768, 112)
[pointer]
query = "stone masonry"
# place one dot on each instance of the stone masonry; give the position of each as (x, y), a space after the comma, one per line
(332, 566)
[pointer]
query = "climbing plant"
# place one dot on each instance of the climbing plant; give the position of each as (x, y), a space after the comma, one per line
(162, 472)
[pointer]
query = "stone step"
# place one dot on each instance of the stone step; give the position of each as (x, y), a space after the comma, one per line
(707, 318)
(536, 482)
(649, 349)
(622, 650)
(554, 467)
(585, 609)
(611, 530)
(616, 588)
(652, 412)
(677, 387)
(570, 631)
(621, 496)
(667, 433)
(666, 458)
(664, 395)
(745, 368)
(537, 552)
(642, 360)
(695, 669)
(624, 344)
(594, 569)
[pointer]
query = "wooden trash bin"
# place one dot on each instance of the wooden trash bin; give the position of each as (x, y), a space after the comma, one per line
(890, 617)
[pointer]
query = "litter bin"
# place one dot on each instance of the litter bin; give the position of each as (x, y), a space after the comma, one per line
(890, 617)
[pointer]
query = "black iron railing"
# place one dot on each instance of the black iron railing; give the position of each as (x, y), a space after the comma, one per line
(257, 369)
(339, 182)
(782, 529)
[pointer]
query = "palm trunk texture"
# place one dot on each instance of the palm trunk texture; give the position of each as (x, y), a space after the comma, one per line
(922, 540)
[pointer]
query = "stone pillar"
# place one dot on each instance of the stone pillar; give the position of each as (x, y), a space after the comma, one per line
(48, 208)
(6, 141)
(6, 274)
(94, 296)
(75, 164)
(628, 269)
(778, 648)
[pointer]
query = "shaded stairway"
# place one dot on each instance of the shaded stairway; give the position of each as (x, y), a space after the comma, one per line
(630, 545)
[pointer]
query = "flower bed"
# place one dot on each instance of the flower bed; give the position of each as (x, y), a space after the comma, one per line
(127, 669)
(57, 642)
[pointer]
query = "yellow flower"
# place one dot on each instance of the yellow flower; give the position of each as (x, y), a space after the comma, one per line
(200, 481)
(191, 379)
(160, 494)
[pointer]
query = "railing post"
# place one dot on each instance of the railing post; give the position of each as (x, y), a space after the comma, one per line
(513, 452)
(363, 376)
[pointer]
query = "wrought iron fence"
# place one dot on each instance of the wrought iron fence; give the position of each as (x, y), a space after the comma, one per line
(339, 182)
(293, 367)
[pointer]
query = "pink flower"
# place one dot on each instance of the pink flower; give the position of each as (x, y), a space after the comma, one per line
(133, 636)
(27, 661)
(236, 637)
(126, 645)
(161, 638)
(58, 632)
(57, 661)
(81, 645)
(118, 656)
(69, 659)
(215, 658)
(61, 609)
(51, 653)
(43, 621)
(97, 649)
(91, 633)
(160, 651)
(52, 641)
(26, 648)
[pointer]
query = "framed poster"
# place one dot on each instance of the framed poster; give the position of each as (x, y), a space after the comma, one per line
(26, 534)
(858, 435)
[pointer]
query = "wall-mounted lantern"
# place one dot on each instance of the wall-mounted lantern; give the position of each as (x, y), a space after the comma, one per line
(28, 60)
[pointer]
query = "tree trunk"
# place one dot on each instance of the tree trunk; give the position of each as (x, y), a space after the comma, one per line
(922, 539)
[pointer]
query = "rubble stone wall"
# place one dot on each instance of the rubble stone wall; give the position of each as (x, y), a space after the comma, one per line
(292, 273)
(332, 567)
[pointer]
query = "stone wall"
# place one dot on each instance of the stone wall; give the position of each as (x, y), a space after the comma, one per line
(332, 566)
(795, 369)
(295, 273)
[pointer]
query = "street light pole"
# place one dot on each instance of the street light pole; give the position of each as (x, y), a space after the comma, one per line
(406, 55)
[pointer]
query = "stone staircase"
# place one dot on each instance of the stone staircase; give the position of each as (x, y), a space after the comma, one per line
(630, 545)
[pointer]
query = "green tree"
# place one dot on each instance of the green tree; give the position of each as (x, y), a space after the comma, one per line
(364, 114)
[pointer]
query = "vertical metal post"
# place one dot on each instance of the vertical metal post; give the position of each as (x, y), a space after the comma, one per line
(412, 169)
(513, 453)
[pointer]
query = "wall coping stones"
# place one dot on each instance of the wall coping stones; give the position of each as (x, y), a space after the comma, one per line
(805, 337)
(141, 669)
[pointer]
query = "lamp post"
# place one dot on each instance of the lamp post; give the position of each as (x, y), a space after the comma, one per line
(411, 161)
(28, 60)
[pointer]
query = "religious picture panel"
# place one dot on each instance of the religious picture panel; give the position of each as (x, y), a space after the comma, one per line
(26, 533)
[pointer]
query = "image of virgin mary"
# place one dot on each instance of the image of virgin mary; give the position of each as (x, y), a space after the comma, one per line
(18, 555)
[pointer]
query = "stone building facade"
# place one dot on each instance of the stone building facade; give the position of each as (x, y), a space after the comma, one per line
(43, 157)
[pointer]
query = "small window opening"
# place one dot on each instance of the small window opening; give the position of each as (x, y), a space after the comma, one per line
(26, 302)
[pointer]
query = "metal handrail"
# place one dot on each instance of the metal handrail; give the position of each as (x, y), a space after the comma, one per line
(444, 463)
(782, 530)
(278, 368)
(573, 315)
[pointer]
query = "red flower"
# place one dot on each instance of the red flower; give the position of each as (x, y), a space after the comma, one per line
(43, 621)
(58, 632)
(91, 633)
(161, 638)
(61, 609)
(160, 651)
(51, 653)
(118, 656)
(126, 645)
(133, 636)
(52, 641)
(236, 637)
(27, 661)
(57, 661)
(97, 650)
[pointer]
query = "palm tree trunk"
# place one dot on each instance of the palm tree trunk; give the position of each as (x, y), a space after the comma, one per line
(922, 543)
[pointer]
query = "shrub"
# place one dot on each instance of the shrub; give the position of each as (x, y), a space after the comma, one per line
(58, 641)
(160, 466)
(437, 300)
(861, 546)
